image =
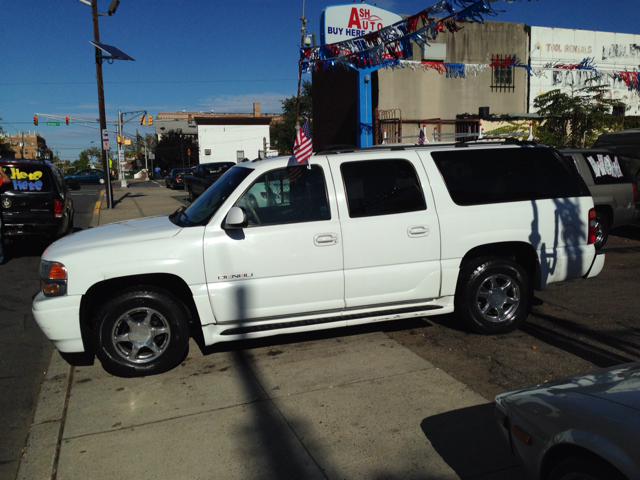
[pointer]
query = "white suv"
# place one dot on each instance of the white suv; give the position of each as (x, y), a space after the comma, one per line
(368, 235)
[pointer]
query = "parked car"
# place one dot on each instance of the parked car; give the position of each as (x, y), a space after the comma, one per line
(581, 427)
(626, 145)
(86, 175)
(612, 187)
(175, 178)
(204, 175)
(384, 233)
(37, 202)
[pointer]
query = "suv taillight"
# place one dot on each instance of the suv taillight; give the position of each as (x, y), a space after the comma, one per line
(57, 208)
(635, 193)
(592, 227)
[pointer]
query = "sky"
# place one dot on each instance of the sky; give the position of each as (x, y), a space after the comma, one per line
(193, 55)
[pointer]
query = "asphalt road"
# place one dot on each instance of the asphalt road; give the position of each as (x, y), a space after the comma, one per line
(24, 350)
(574, 327)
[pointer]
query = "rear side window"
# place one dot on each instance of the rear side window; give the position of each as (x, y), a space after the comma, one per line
(28, 178)
(606, 169)
(476, 177)
(630, 157)
(382, 187)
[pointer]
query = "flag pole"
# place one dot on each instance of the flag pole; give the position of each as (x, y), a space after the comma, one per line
(303, 31)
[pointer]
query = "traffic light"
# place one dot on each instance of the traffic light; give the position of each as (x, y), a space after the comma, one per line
(142, 119)
(150, 120)
(35, 120)
(66, 120)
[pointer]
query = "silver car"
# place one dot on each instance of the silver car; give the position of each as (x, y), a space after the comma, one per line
(581, 427)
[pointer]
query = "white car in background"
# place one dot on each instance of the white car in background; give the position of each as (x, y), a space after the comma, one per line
(585, 427)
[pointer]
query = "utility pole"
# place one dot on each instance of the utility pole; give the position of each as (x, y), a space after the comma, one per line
(123, 181)
(103, 117)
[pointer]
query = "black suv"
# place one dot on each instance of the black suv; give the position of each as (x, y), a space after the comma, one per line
(36, 203)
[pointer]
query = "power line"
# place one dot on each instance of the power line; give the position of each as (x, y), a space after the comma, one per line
(157, 82)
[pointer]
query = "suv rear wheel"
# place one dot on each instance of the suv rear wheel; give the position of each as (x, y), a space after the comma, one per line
(602, 230)
(492, 296)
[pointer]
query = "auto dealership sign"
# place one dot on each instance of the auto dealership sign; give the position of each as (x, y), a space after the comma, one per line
(344, 22)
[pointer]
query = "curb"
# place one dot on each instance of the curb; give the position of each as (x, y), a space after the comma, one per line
(40, 456)
(95, 218)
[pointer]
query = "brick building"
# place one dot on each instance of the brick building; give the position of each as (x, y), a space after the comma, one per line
(29, 145)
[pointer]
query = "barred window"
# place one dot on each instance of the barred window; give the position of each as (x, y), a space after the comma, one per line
(502, 77)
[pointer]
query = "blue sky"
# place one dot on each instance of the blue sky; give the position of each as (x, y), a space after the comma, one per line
(194, 55)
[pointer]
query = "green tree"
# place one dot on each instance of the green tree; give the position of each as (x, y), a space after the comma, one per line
(4, 148)
(87, 156)
(283, 134)
(172, 151)
(577, 119)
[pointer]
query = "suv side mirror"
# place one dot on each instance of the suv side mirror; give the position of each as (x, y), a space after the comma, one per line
(236, 218)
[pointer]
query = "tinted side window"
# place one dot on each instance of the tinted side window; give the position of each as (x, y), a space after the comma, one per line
(381, 187)
(287, 195)
(476, 177)
(629, 156)
(57, 176)
(29, 178)
(606, 169)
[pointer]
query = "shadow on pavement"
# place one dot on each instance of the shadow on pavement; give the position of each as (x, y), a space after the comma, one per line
(632, 232)
(591, 353)
(469, 441)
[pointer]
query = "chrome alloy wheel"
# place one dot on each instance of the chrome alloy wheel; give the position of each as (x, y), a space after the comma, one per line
(498, 298)
(141, 335)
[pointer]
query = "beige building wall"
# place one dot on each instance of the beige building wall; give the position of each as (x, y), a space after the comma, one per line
(427, 94)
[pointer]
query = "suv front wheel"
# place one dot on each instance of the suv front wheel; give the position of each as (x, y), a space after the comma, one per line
(492, 296)
(141, 332)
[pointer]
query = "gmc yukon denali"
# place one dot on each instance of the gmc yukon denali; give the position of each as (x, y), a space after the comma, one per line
(367, 235)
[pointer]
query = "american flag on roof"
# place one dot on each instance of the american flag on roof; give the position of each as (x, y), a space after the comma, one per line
(421, 138)
(303, 148)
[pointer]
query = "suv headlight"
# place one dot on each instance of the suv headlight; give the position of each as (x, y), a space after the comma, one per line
(53, 278)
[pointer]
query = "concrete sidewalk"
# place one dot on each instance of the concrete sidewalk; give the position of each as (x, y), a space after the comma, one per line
(337, 404)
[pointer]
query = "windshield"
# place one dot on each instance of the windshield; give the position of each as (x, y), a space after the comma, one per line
(207, 204)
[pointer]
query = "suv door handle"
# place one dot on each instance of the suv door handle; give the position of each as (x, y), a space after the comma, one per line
(325, 239)
(418, 231)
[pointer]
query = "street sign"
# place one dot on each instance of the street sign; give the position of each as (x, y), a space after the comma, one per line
(53, 124)
(105, 140)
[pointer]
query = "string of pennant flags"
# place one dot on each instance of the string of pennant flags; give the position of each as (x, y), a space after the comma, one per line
(387, 46)
(390, 47)
(459, 70)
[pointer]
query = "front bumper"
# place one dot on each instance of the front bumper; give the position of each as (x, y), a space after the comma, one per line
(59, 319)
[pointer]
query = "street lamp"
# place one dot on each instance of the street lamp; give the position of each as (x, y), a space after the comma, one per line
(113, 54)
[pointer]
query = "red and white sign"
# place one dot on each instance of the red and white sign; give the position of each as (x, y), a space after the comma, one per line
(344, 22)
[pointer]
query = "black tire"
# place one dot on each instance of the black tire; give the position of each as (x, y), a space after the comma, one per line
(191, 195)
(69, 227)
(493, 296)
(584, 467)
(602, 230)
(141, 332)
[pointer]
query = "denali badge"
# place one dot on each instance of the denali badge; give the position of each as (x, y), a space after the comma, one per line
(6, 203)
(239, 275)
